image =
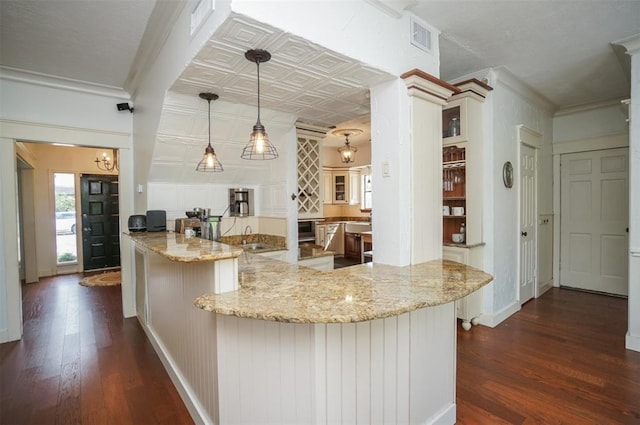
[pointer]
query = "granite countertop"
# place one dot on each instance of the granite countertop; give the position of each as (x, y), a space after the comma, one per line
(279, 291)
(463, 245)
(178, 247)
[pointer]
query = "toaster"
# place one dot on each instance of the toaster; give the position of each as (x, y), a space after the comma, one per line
(137, 223)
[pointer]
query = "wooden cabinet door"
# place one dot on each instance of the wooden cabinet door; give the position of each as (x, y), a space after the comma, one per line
(352, 245)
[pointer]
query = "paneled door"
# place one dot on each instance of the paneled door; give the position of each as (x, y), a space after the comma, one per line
(100, 221)
(594, 194)
(528, 250)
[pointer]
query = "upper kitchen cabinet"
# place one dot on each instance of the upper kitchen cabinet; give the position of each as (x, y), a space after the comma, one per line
(462, 115)
(343, 186)
(463, 172)
(309, 167)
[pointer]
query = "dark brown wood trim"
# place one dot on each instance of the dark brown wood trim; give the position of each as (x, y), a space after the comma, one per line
(430, 78)
(475, 81)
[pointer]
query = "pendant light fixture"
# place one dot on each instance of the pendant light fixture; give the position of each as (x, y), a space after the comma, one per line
(259, 147)
(347, 152)
(209, 162)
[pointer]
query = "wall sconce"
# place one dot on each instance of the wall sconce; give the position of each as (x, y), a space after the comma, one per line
(209, 162)
(259, 147)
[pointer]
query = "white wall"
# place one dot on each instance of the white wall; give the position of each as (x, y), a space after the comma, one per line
(149, 98)
(586, 123)
(511, 104)
(49, 110)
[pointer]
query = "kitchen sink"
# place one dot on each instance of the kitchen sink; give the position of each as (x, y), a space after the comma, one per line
(357, 227)
(254, 246)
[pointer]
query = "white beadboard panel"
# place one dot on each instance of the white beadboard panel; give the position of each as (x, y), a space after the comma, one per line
(269, 354)
(185, 333)
(246, 371)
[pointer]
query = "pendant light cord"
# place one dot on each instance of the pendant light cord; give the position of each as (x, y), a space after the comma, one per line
(209, 100)
(258, 72)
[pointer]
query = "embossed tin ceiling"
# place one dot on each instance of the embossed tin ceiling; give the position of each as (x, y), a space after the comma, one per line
(319, 86)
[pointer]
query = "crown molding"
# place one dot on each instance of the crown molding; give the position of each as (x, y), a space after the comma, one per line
(588, 107)
(504, 76)
(632, 44)
(47, 80)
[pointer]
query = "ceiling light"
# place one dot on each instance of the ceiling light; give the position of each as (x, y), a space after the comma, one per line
(259, 147)
(105, 163)
(347, 152)
(209, 162)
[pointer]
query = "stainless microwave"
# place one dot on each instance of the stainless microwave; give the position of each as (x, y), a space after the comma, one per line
(306, 230)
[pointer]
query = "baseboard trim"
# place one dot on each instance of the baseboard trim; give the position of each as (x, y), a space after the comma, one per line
(632, 342)
(493, 320)
(189, 399)
(447, 417)
(544, 287)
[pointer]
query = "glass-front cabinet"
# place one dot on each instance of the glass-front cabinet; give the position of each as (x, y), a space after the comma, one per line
(454, 122)
(454, 200)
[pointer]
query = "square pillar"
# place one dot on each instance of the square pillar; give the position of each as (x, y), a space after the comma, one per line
(406, 156)
(632, 45)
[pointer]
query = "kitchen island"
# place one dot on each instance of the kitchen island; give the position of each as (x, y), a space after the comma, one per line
(366, 344)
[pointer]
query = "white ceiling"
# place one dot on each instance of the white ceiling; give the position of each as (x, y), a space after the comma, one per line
(561, 48)
(87, 40)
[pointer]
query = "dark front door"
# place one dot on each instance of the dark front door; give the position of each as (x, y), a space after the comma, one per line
(100, 221)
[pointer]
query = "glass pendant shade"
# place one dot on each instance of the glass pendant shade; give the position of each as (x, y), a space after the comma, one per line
(347, 152)
(209, 162)
(259, 146)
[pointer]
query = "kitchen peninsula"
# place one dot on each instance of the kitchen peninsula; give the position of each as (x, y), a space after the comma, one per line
(370, 343)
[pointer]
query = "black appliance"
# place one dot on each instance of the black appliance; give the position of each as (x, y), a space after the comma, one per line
(137, 223)
(156, 221)
(306, 231)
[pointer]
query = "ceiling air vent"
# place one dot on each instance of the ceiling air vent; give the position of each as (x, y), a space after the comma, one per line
(420, 35)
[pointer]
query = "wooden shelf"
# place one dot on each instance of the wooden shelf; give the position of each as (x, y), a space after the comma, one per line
(454, 198)
(454, 216)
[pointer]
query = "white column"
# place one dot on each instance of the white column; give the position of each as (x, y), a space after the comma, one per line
(633, 333)
(10, 290)
(406, 160)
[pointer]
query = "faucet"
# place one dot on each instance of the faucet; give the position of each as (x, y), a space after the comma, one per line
(246, 231)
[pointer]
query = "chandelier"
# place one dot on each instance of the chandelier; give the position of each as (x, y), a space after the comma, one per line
(107, 163)
(347, 152)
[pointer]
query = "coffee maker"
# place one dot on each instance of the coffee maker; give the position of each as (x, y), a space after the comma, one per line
(240, 202)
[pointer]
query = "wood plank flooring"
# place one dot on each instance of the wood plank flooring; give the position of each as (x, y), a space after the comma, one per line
(80, 362)
(561, 359)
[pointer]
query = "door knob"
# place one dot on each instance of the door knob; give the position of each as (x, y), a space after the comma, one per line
(524, 233)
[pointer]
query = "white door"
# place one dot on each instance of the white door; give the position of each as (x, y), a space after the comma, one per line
(528, 215)
(594, 195)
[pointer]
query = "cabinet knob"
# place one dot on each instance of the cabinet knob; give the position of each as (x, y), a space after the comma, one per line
(524, 233)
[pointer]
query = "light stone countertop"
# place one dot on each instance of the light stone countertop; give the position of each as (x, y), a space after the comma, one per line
(280, 291)
(283, 292)
(178, 247)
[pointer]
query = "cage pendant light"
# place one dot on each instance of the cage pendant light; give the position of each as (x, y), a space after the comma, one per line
(209, 162)
(259, 146)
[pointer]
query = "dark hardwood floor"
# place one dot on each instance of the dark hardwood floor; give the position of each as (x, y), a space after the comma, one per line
(561, 359)
(80, 362)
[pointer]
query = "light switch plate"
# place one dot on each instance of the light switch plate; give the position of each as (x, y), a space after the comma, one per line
(385, 169)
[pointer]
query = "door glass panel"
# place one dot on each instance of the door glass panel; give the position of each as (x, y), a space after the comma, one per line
(65, 199)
